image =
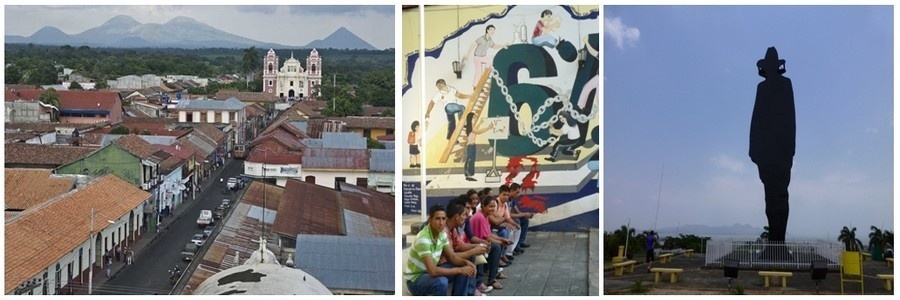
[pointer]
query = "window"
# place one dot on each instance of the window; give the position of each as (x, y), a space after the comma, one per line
(270, 71)
(310, 179)
(292, 83)
(270, 83)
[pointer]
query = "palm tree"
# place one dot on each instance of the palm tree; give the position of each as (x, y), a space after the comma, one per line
(876, 238)
(50, 97)
(848, 236)
(249, 63)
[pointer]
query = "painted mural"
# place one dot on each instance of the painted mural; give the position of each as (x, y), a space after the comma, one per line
(509, 94)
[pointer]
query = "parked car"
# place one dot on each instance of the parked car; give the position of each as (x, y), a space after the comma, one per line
(232, 183)
(219, 213)
(226, 203)
(189, 250)
(207, 231)
(198, 239)
(206, 218)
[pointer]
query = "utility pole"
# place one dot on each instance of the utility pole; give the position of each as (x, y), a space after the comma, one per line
(91, 256)
(333, 91)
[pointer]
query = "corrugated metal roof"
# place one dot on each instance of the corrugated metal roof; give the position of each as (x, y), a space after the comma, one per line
(228, 104)
(343, 140)
(153, 139)
(300, 125)
(381, 160)
(312, 143)
(344, 262)
(325, 158)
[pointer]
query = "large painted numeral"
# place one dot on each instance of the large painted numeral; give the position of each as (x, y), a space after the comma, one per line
(508, 62)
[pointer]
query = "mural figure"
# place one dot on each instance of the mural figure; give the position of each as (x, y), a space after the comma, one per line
(447, 95)
(773, 139)
(568, 137)
(413, 140)
(471, 134)
(546, 25)
(480, 46)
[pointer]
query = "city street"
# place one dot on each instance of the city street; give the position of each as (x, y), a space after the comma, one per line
(149, 273)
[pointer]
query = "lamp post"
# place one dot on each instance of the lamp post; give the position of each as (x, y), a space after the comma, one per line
(91, 254)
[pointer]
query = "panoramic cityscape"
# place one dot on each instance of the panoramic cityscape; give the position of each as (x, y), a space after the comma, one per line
(160, 154)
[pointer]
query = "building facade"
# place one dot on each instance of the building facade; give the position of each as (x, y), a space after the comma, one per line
(291, 81)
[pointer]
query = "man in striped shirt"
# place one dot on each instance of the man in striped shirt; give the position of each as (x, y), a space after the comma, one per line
(424, 277)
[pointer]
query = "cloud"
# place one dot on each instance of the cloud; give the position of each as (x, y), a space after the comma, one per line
(621, 33)
(348, 10)
(263, 9)
(872, 130)
(727, 162)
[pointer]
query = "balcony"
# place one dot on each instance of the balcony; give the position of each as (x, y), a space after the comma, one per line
(145, 186)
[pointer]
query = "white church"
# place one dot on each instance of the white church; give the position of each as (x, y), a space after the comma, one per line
(291, 81)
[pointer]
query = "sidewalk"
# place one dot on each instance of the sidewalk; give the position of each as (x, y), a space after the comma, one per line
(147, 238)
(557, 263)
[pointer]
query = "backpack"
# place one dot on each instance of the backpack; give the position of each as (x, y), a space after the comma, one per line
(411, 138)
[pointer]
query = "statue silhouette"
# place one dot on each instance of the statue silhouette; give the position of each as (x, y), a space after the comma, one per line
(773, 132)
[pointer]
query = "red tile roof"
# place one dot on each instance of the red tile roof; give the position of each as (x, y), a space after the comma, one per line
(211, 132)
(280, 136)
(179, 149)
(105, 100)
(44, 155)
(137, 146)
(26, 188)
(368, 122)
(25, 94)
(307, 208)
(42, 235)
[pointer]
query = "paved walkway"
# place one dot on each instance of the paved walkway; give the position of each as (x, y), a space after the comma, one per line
(557, 263)
(147, 238)
(696, 280)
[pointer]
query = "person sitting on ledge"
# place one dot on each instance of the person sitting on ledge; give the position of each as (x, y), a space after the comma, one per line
(424, 277)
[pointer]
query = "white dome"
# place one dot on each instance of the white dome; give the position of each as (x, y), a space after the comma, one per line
(262, 279)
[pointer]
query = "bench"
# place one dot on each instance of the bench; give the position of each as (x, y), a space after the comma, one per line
(890, 262)
(620, 267)
(866, 255)
(783, 275)
(673, 272)
(888, 278)
(688, 252)
(663, 258)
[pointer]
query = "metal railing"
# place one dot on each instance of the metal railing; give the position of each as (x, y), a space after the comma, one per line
(771, 255)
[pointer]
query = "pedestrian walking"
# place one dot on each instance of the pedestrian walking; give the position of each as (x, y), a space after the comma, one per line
(118, 253)
(108, 272)
(131, 255)
(651, 242)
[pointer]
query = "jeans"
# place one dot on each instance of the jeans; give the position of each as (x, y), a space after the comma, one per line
(545, 40)
(426, 285)
(470, 160)
(504, 233)
(523, 223)
(454, 112)
(487, 273)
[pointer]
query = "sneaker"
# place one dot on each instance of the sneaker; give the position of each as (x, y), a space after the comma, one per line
(577, 153)
(499, 270)
(550, 159)
(524, 245)
(477, 293)
(484, 289)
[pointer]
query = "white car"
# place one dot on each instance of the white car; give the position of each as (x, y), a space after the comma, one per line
(232, 183)
(206, 218)
(198, 239)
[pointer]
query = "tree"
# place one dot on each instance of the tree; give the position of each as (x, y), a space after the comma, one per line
(876, 238)
(50, 97)
(75, 86)
(342, 107)
(374, 144)
(120, 130)
(249, 63)
(101, 85)
(848, 237)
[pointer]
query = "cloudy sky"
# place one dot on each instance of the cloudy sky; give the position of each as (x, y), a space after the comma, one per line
(680, 83)
(287, 25)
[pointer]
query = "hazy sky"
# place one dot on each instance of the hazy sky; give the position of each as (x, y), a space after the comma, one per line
(680, 83)
(287, 25)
